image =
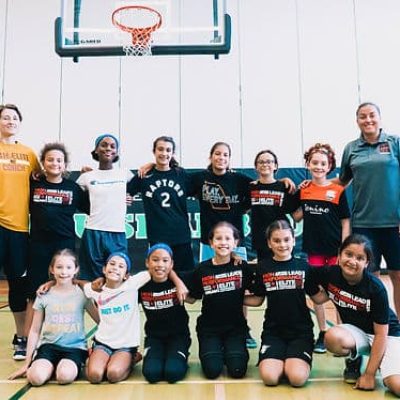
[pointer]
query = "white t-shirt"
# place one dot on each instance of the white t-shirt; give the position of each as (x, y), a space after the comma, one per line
(119, 312)
(107, 193)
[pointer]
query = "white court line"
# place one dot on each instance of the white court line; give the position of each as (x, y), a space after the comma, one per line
(219, 391)
(191, 382)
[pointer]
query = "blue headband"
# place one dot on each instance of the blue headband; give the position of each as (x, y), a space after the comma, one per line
(122, 255)
(159, 246)
(101, 137)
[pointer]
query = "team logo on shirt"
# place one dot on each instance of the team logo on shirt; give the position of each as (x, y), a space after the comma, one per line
(164, 183)
(330, 195)
(14, 161)
(347, 300)
(316, 210)
(384, 148)
(219, 283)
(214, 194)
(52, 196)
(283, 280)
(159, 300)
(95, 182)
(267, 198)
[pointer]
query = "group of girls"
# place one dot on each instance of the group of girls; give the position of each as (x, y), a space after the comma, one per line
(224, 195)
(368, 325)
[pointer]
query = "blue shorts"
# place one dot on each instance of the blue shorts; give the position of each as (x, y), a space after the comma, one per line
(96, 246)
(386, 244)
(110, 351)
(13, 252)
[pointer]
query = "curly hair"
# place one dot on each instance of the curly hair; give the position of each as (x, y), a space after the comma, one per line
(55, 146)
(322, 148)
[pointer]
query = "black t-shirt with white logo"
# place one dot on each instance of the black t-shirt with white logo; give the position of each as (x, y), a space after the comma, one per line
(165, 317)
(164, 198)
(221, 288)
(284, 284)
(52, 207)
(269, 202)
(221, 198)
(362, 304)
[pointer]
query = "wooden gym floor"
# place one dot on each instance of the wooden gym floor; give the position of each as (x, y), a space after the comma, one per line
(325, 381)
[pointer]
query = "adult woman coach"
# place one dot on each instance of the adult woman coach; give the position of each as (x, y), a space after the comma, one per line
(372, 164)
(16, 165)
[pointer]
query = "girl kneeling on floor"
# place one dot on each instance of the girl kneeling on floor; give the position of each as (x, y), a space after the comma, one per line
(167, 338)
(56, 341)
(221, 327)
(370, 326)
(287, 337)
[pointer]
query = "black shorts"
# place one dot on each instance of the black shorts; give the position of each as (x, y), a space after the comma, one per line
(55, 353)
(13, 252)
(40, 255)
(386, 244)
(281, 349)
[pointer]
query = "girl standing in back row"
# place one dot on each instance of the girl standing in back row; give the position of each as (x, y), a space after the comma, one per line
(270, 200)
(164, 192)
(105, 229)
(326, 217)
(17, 164)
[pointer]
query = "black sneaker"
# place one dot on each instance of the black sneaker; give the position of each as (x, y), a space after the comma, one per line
(319, 346)
(19, 344)
(352, 371)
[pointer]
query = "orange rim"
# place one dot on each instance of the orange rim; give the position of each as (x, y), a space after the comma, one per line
(139, 35)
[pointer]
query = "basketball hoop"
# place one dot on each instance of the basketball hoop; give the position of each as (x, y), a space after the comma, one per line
(140, 22)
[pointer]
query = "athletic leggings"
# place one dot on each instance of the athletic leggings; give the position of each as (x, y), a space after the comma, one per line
(18, 294)
(229, 348)
(166, 359)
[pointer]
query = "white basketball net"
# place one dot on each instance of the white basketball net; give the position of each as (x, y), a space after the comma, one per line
(136, 24)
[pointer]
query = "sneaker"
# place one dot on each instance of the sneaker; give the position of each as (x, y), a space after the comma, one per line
(250, 342)
(137, 358)
(319, 346)
(352, 371)
(19, 344)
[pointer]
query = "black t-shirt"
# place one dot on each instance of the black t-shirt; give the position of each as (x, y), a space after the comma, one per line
(52, 207)
(269, 202)
(165, 316)
(362, 304)
(221, 198)
(222, 289)
(164, 199)
(284, 284)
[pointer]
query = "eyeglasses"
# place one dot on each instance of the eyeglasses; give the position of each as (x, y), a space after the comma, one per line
(265, 162)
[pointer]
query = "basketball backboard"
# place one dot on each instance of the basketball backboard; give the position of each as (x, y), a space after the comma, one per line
(85, 28)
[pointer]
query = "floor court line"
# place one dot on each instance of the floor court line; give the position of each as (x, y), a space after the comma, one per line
(219, 391)
(189, 382)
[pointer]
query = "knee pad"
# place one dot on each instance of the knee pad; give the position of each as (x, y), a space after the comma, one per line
(18, 294)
